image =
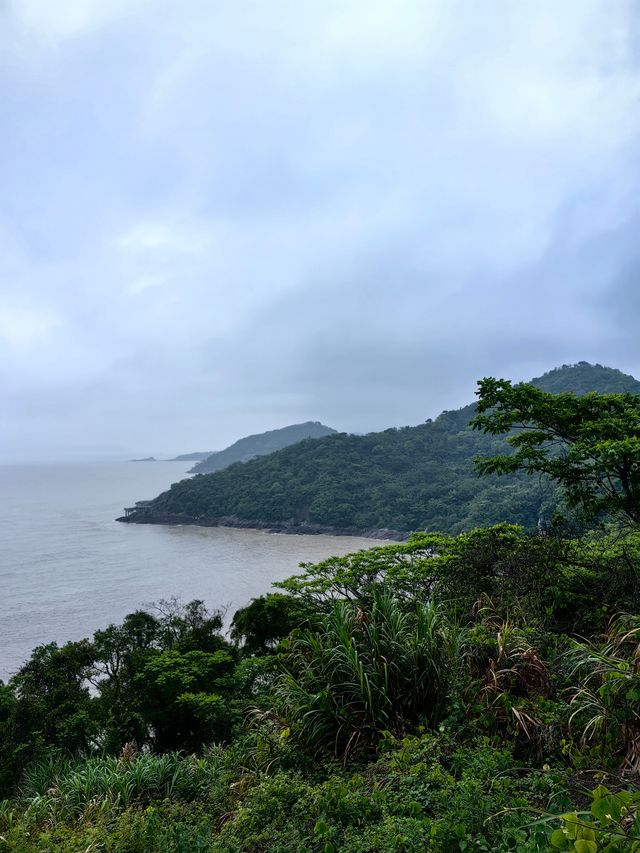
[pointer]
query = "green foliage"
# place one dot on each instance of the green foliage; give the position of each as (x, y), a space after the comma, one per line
(511, 683)
(423, 793)
(258, 627)
(607, 702)
(611, 825)
(602, 578)
(446, 693)
(164, 680)
(583, 378)
(438, 791)
(366, 672)
(75, 788)
(568, 584)
(133, 803)
(414, 478)
(589, 444)
(46, 705)
(182, 697)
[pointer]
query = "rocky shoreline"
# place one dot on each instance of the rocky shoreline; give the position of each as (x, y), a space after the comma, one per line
(294, 528)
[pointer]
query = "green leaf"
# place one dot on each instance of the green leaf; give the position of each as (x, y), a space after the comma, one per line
(585, 833)
(559, 839)
(570, 827)
(582, 846)
(608, 810)
(320, 828)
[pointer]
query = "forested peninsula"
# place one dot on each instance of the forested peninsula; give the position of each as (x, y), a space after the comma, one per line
(383, 484)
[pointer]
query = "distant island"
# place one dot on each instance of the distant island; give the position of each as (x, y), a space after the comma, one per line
(184, 457)
(260, 445)
(412, 478)
(248, 447)
(192, 457)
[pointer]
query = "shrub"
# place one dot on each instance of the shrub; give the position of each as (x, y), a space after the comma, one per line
(363, 673)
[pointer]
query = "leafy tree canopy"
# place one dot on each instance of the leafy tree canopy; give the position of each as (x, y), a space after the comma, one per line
(589, 444)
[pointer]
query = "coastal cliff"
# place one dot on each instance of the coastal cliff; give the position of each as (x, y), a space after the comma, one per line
(289, 527)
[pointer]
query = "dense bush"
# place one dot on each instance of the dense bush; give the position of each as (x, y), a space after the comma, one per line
(164, 680)
(361, 673)
(565, 584)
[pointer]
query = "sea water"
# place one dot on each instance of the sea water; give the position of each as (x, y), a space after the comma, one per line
(67, 567)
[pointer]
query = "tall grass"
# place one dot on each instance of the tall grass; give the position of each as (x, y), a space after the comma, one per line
(606, 704)
(86, 787)
(361, 673)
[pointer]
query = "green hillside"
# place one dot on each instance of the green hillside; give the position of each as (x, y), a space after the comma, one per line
(259, 445)
(412, 478)
(581, 378)
(196, 456)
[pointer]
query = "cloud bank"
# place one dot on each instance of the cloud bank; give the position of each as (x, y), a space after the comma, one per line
(222, 218)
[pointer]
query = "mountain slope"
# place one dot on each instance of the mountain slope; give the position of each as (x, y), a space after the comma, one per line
(196, 456)
(259, 445)
(581, 378)
(412, 478)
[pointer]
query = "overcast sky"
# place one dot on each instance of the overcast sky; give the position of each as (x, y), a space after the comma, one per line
(220, 217)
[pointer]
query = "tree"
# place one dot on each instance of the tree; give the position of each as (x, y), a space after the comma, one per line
(588, 444)
(143, 667)
(121, 652)
(46, 705)
(186, 697)
(259, 627)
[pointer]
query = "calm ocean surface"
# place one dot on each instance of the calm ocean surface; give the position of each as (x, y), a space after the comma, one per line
(67, 568)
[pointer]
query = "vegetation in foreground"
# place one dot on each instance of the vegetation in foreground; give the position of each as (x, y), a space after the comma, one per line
(472, 692)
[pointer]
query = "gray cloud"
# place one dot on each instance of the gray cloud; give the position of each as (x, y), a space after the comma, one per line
(221, 219)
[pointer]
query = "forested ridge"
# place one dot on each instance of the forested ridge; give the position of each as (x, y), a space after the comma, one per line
(413, 478)
(478, 691)
(258, 445)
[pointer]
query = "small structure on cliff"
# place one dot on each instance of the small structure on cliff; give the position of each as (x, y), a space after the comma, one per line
(140, 508)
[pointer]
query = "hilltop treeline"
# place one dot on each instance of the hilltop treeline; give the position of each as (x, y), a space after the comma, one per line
(259, 445)
(414, 478)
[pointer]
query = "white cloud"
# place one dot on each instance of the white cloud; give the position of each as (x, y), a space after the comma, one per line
(25, 328)
(147, 281)
(50, 23)
(162, 238)
(211, 205)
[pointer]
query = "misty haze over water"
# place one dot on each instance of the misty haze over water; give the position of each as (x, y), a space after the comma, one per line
(67, 568)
